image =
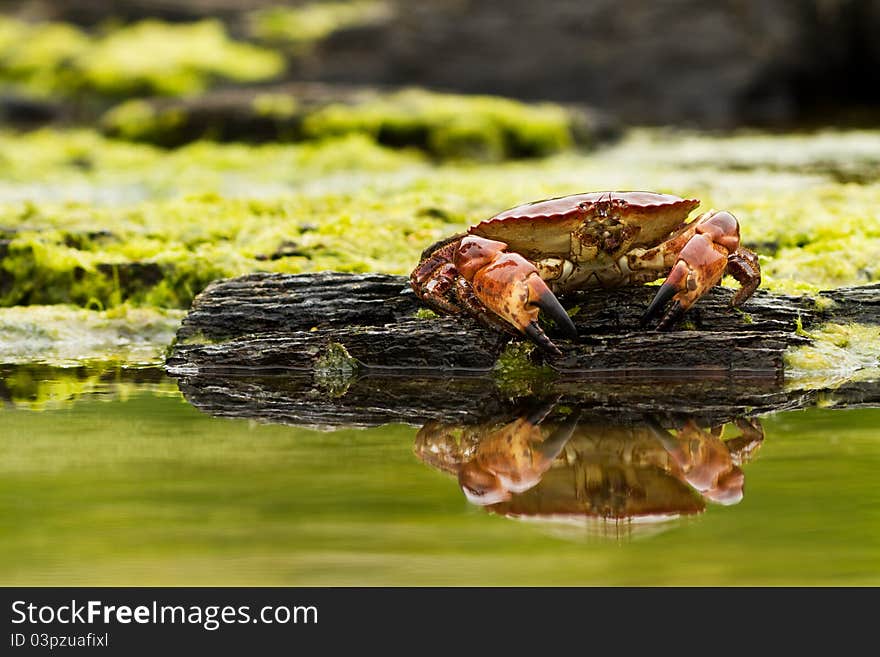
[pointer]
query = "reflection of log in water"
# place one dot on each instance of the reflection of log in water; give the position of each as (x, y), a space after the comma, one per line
(373, 401)
(376, 400)
(587, 470)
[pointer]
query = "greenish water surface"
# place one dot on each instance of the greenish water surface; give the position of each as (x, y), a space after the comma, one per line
(124, 483)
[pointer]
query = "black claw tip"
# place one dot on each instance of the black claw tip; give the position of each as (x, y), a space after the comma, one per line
(536, 334)
(550, 305)
(540, 413)
(675, 312)
(664, 294)
(551, 447)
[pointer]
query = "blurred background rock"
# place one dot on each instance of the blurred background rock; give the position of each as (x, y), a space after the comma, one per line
(683, 62)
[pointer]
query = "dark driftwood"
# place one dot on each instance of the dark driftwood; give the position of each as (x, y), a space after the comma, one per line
(270, 322)
(263, 346)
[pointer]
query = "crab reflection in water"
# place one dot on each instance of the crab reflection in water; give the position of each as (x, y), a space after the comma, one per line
(570, 466)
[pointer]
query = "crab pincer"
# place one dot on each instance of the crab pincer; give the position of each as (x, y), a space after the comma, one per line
(509, 286)
(701, 264)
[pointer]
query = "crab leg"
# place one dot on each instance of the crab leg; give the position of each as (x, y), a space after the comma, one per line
(712, 250)
(743, 447)
(743, 265)
(511, 287)
(434, 280)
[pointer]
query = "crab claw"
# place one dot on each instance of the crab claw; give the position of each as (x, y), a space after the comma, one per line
(536, 296)
(700, 266)
(556, 441)
(728, 489)
(481, 487)
(541, 296)
(658, 303)
(509, 286)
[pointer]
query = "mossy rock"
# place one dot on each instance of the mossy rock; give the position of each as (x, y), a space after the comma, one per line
(144, 58)
(445, 126)
(452, 126)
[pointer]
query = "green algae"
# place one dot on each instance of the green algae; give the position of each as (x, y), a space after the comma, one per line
(64, 335)
(446, 126)
(823, 303)
(152, 227)
(198, 338)
(837, 353)
(48, 164)
(335, 369)
(149, 57)
(276, 105)
(301, 26)
(518, 374)
(138, 120)
(450, 126)
(746, 317)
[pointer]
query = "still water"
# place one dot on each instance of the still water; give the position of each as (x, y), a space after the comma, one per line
(120, 481)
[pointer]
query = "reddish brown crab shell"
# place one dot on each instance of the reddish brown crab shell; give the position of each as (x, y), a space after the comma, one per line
(544, 228)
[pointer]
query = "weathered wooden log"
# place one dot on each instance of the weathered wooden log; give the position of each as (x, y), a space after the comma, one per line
(235, 114)
(273, 321)
(336, 349)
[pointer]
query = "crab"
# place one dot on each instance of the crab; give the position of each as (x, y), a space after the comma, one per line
(579, 464)
(507, 269)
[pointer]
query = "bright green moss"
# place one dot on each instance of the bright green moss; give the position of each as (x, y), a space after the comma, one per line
(517, 374)
(449, 126)
(425, 313)
(464, 138)
(137, 120)
(173, 59)
(303, 25)
(48, 164)
(213, 210)
(41, 269)
(276, 105)
(163, 253)
(38, 56)
(446, 126)
(150, 57)
(838, 353)
(335, 369)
